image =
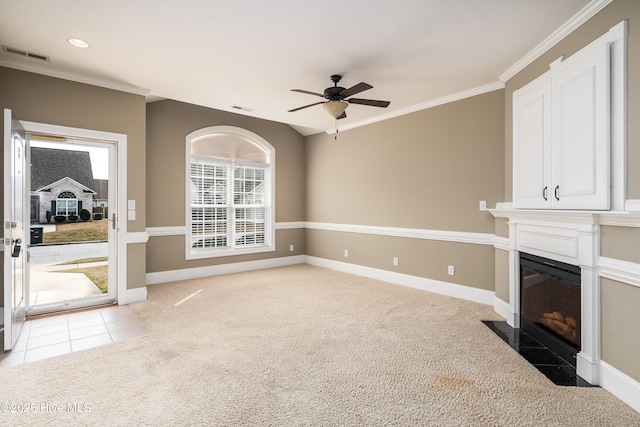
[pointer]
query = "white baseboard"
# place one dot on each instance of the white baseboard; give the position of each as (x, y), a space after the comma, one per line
(620, 385)
(134, 295)
(217, 270)
(450, 289)
(503, 309)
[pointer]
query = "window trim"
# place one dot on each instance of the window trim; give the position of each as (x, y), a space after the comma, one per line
(203, 253)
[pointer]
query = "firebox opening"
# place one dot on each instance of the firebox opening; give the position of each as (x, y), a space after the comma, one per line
(550, 304)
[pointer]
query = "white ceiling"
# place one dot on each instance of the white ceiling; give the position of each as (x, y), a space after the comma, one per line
(251, 53)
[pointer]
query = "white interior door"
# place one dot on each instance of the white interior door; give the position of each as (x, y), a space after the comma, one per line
(15, 220)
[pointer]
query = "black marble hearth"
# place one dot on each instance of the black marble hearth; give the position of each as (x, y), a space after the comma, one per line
(546, 361)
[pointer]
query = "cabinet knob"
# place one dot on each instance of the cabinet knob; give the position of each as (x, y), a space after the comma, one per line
(544, 193)
(556, 192)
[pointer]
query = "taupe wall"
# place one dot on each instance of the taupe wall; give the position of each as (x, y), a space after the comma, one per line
(37, 98)
(620, 320)
(502, 275)
(427, 170)
(621, 243)
(502, 227)
(168, 123)
(619, 301)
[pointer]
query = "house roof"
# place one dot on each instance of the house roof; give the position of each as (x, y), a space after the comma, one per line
(49, 165)
(68, 184)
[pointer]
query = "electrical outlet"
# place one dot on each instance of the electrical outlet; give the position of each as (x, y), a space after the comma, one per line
(483, 205)
(290, 248)
(395, 261)
(451, 270)
(346, 253)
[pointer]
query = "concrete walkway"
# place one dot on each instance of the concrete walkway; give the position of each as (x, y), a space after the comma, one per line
(49, 284)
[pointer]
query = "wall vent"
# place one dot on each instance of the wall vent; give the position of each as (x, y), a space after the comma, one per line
(24, 53)
(239, 107)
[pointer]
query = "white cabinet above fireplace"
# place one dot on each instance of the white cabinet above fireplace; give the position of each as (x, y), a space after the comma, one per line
(562, 133)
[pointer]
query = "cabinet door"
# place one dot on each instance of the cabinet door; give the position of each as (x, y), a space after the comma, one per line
(581, 135)
(532, 145)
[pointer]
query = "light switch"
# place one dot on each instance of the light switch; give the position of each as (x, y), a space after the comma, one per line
(131, 215)
(131, 205)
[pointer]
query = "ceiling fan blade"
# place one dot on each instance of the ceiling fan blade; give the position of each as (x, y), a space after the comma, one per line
(370, 102)
(342, 116)
(360, 87)
(308, 92)
(306, 106)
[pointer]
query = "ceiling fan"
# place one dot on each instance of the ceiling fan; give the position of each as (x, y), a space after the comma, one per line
(337, 96)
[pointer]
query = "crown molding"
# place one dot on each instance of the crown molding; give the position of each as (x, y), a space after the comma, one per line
(567, 28)
(422, 106)
(74, 77)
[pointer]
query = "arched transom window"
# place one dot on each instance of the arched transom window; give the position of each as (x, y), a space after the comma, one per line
(230, 192)
(66, 204)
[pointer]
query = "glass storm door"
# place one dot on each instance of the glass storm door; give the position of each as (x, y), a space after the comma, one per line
(16, 217)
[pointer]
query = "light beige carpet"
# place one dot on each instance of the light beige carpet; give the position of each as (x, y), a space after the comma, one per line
(305, 346)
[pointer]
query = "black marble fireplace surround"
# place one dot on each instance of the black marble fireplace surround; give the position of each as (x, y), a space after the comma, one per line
(555, 368)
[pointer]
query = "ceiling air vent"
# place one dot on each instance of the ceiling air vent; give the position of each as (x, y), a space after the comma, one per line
(239, 107)
(24, 53)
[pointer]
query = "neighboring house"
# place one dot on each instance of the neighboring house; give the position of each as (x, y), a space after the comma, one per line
(61, 182)
(101, 199)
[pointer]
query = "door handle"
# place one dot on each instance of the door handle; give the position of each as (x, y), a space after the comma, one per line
(113, 221)
(15, 253)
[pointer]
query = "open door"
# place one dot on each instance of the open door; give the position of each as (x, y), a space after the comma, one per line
(15, 220)
(72, 263)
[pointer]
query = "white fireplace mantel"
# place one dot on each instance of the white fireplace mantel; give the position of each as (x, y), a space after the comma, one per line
(572, 237)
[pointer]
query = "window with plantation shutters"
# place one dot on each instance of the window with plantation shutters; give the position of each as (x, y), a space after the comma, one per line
(230, 209)
(209, 205)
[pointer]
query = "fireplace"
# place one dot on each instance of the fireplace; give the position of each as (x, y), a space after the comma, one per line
(550, 304)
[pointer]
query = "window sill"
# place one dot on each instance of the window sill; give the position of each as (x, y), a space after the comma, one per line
(226, 252)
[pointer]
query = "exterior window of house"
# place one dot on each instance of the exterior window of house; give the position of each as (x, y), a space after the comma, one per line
(230, 193)
(66, 204)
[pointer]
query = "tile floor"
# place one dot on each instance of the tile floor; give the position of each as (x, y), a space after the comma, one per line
(51, 336)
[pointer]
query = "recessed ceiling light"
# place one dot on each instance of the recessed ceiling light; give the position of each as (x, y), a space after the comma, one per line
(78, 42)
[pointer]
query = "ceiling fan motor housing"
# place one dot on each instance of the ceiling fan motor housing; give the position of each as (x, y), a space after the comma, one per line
(333, 93)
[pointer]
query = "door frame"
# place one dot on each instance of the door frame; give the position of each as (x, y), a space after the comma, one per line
(120, 210)
(96, 300)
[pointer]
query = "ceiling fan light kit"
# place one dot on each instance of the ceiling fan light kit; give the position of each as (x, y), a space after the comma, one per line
(335, 108)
